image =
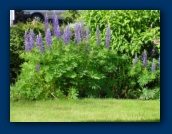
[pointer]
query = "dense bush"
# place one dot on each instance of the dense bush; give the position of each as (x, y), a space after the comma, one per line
(75, 63)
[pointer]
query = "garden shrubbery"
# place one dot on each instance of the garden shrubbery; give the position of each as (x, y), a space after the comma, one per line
(93, 60)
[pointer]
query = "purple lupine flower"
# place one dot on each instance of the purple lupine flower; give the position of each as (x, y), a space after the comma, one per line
(37, 67)
(56, 27)
(144, 59)
(153, 66)
(67, 35)
(48, 38)
(108, 37)
(153, 51)
(135, 59)
(82, 31)
(77, 33)
(31, 38)
(46, 25)
(87, 33)
(26, 42)
(57, 32)
(159, 61)
(39, 43)
(155, 41)
(98, 36)
(54, 17)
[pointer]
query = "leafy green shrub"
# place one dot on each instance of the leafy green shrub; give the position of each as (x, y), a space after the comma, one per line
(132, 30)
(17, 45)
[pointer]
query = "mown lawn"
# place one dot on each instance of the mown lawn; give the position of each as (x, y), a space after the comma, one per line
(85, 110)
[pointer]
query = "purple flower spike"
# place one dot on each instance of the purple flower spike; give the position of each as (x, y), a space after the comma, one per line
(26, 42)
(48, 38)
(67, 35)
(135, 59)
(98, 36)
(144, 59)
(153, 66)
(153, 51)
(46, 25)
(108, 38)
(82, 31)
(56, 26)
(77, 33)
(31, 38)
(39, 43)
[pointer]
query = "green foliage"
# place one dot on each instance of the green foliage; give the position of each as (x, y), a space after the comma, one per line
(132, 31)
(17, 45)
(73, 93)
(150, 94)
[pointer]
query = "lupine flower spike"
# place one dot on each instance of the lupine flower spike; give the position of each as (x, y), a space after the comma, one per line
(144, 59)
(56, 27)
(31, 38)
(27, 42)
(82, 31)
(153, 51)
(135, 59)
(40, 43)
(77, 33)
(67, 35)
(153, 66)
(48, 38)
(108, 38)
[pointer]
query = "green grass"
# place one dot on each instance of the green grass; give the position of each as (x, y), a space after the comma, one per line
(85, 110)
